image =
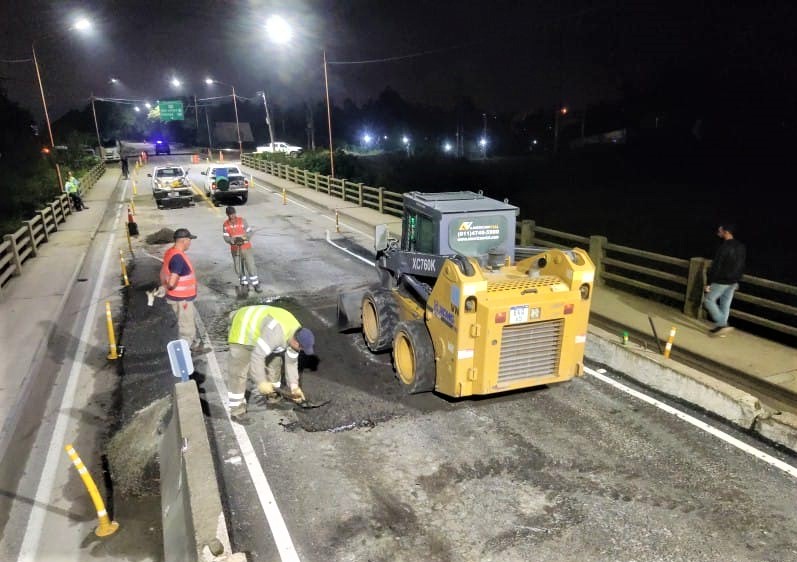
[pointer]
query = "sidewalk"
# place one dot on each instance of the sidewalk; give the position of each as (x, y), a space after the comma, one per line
(38, 296)
(738, 352)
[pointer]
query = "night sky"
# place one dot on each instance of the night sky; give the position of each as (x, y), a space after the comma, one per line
(507, 56)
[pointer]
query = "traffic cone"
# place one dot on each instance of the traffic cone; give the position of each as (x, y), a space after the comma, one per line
(132, 227)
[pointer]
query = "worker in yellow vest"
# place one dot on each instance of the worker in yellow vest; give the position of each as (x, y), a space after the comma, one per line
(264, 341)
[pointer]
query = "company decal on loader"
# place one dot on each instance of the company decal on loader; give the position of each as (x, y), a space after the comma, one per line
(445, 315)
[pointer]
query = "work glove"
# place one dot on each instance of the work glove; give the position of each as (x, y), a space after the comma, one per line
(239, 241)
(296, 395)
(160, 292)
(267, 393)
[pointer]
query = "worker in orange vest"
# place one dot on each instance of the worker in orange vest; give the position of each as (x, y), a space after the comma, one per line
(236, 232)
(178, 280)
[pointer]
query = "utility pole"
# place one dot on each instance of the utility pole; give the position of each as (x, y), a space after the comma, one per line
(329, 119)
(47, 116)
(207, 122)
(96, 126)
(310, 123)
(237, 123)
(268, 120)
(196, 116)
(484, 136)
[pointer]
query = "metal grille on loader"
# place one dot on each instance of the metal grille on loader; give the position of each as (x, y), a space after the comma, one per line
(530, 350)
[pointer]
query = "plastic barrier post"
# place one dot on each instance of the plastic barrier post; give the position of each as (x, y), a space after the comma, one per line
(111, 336)
(106, 527)
(668, 347)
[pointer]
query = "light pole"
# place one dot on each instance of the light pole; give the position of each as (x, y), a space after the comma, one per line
(268, 120)
(210, 81)
(82, 24)
(280, 32)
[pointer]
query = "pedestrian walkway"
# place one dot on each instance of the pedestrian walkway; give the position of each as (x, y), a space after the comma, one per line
(31, 303)
(738, 352)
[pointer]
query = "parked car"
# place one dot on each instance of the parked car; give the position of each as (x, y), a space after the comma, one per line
(171, 186)
(281, 148)
(162, 147)
(225, 182)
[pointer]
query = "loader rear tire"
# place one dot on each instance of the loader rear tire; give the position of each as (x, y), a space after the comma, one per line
(413, 357)
(380, 316)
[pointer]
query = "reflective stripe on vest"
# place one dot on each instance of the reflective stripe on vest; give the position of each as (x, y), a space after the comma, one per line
(248, 321)
(235, 229)
(186, 284)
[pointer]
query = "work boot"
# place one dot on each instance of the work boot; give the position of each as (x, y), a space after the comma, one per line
(199, 347)
(238, 413)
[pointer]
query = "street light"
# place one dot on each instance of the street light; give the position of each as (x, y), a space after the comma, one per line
(280, 32)
(210, 81)
(176, 82)
(406, 140)
(136, 108)
(148, 105)
(268, 118)
(81, 24)
(113, 80)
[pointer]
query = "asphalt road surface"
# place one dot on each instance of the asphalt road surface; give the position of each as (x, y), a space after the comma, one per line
(578, 471)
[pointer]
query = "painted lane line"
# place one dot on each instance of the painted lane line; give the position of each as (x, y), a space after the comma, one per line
(741, 445)
(264, 189)
(30, 542)
(339, 247)
(276, 522)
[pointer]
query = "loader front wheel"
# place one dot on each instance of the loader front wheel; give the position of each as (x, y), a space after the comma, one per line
(413, 357)
(380, 316)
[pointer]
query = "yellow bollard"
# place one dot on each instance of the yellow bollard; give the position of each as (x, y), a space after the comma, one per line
(133, 206)
(337, 221)
(124, 268)
(111, 336)
(668, 347)
(135, 188)
(106, 527)
(284, 197)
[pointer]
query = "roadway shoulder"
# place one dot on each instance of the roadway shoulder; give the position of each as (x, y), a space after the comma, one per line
(690, 385)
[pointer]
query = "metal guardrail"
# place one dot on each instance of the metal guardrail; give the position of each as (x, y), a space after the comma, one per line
(674, 280)
(22, 244)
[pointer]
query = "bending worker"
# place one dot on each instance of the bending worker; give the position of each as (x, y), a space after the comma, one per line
(264, 340)
(236, 233)
(72, 187)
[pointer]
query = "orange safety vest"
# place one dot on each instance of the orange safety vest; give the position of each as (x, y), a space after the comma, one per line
(234, 230)
(186, 284)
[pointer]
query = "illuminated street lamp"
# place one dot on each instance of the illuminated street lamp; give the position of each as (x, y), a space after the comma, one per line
(406, 140)
(210, 81)
(113, 80)
(176, 82)
(280, 32)
(81, 24)
(148, 105)
(136, 108)
(447, 147)
(367, 139)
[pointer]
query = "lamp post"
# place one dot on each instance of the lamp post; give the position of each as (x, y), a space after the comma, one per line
(82, 24)
(268, 119)
(210, 81)
(280, 32)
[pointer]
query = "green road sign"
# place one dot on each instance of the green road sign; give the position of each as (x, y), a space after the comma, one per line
(171, 110)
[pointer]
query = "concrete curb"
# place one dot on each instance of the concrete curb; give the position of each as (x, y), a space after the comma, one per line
(685, 383)
(194, 527)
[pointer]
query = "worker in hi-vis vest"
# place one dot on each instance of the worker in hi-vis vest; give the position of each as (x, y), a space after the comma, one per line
(264, 341)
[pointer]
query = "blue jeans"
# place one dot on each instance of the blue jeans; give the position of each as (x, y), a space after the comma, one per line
(718, 302)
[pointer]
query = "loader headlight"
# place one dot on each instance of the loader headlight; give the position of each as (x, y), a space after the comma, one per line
(470, 304)
(584, 290)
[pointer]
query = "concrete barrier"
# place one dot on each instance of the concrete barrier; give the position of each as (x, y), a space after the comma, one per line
(687, 384)
(194, 528)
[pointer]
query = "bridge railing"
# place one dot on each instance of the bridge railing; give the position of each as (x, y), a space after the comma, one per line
(675, 281)
(23, 244)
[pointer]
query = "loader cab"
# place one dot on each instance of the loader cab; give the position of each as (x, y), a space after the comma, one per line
(462, 222)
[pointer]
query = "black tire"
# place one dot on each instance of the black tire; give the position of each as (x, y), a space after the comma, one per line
(413, 357)
(379, 319)
(244, 198)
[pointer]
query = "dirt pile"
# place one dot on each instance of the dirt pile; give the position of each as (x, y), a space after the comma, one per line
(162, 236)
(132, 451)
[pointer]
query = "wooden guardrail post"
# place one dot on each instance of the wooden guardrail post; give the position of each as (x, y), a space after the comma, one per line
(33, 248)
(597, 251)
(695, 281)
(360, 194)
(55, 215)
(527, 232)
(43, 220)
(63, 207)
(12, 243)
(381, 199)
(315, 180)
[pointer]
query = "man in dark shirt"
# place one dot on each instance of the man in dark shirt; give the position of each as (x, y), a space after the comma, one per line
(724, 275)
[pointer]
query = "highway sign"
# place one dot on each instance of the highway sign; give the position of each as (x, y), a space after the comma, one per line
(171, 110)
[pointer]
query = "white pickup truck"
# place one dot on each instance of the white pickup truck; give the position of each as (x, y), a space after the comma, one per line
(281, 148)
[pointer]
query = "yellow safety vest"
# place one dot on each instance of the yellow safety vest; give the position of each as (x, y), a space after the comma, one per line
(248, 321)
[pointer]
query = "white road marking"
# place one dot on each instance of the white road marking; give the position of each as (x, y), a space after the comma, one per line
(339, 247)
(30, 542)
(264, 189)
(279, 530)
(749, 449)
